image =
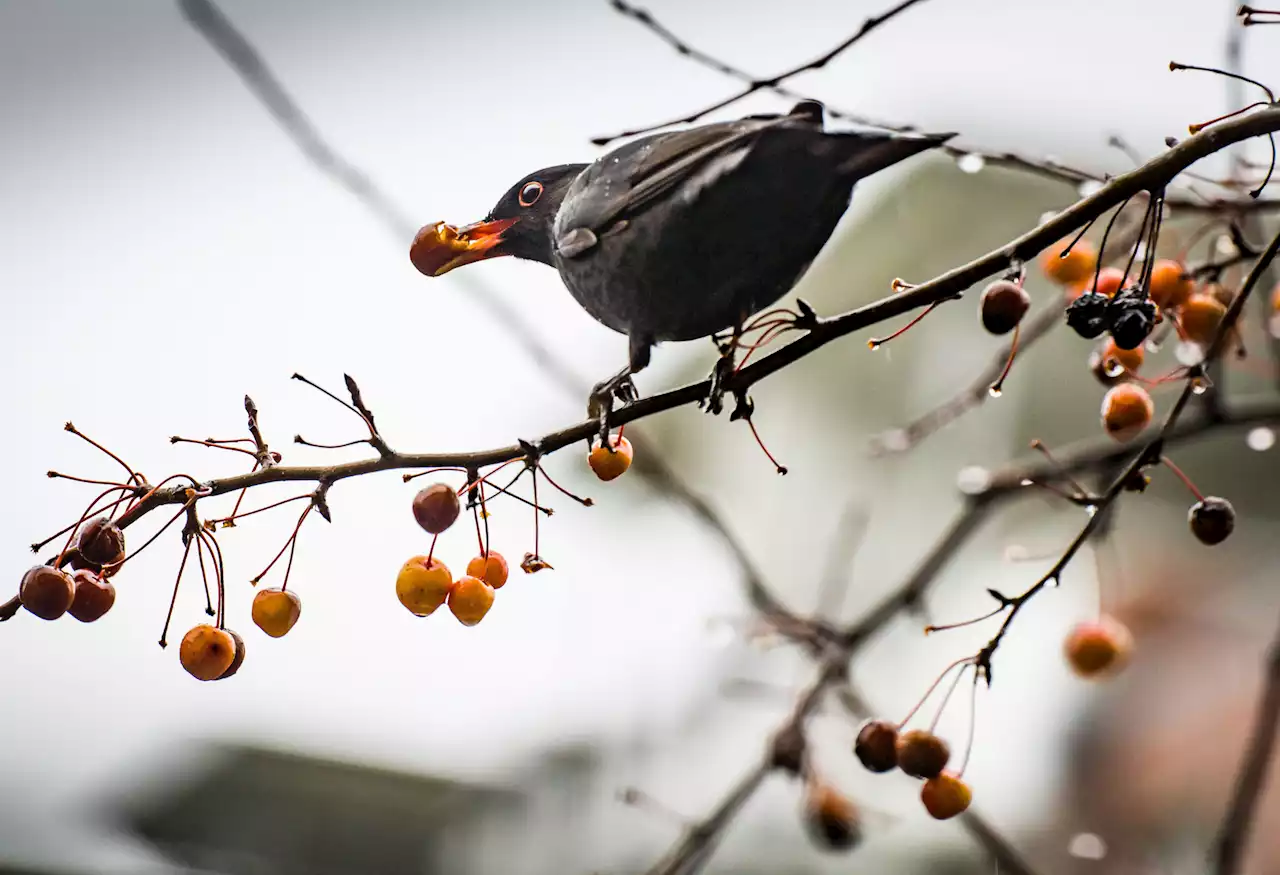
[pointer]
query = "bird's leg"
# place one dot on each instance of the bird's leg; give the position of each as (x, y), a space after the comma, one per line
(619, 386)
(723, 370)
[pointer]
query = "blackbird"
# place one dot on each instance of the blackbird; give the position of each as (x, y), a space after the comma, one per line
(681, 234)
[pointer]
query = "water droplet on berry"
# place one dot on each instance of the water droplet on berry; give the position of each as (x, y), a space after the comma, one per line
(995, 391)
(1113, 368)
(971, 162)
(1087, 846)
(973, 479)
(1188, 354)
(1199, 387)
(1261, 439)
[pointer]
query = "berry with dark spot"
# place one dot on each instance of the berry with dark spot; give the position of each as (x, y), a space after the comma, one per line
(1212, 520)
(877, 746)
(1003, 305)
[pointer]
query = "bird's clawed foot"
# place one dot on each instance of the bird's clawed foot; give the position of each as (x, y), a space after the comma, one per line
(724, 369)
(619, 387)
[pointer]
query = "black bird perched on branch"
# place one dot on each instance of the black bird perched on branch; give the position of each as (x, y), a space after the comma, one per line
(681, 234)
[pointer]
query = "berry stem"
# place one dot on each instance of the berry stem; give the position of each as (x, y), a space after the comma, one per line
(973, 723)
(930, 629)
(585, 502)
(216, 446)
(781, 469)
(147, 543)
(133, 475)
(998, 386)
(272, 506)
(877, 342)
(485, 514)
(1040, 447)
(947, 698)
(164, 633)
(204, 576)
(968, 660)
(1181, 475)
(432, 552)
(301, 519)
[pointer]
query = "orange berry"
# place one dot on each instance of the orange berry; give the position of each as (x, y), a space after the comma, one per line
(101, 542)
(830, 819)
(94, 596)
(1110, 279)
(1129, 359)
(611, 461)
(422, 585)
(492, 569)
(1078, 265)
(238, 660)
(47, 592)
(922, 754)
(275, 611)
(470, 599)
(1200, 316)
(1126, 410)
(1097, 649)
(207, 652)
(877, 746)
(1170, 284)
(436, 507)
(945, 796)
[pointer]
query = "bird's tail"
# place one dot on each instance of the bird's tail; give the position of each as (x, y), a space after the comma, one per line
(874, 152)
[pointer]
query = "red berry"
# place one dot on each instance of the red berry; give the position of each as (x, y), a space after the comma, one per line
(101, 542)
(1098, 649)
(611, 461)
(830, 819)
(877, 745)
(1003, 305)
(470, 599)
(94, 596)
(275, 611)
(436, 507)
(1110, 279)
(47, 592)
(1126, 410)
(945, 796)
(492, 569)
(1212, 520)
(423, 585)
(922, 754)
(207, 652)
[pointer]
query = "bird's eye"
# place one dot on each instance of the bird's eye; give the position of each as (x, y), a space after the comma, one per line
(530, 193)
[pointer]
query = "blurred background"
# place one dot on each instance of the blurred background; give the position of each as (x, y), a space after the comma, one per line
(166, 248)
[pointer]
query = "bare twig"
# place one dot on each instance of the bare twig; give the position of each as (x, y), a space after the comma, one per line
(755, 85)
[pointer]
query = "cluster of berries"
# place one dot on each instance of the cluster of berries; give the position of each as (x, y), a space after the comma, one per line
(85, 593)
(882, 746)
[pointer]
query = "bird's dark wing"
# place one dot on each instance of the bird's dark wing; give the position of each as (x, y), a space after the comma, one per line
(634, 176)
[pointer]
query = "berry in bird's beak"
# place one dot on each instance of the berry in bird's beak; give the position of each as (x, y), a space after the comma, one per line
(440, 247)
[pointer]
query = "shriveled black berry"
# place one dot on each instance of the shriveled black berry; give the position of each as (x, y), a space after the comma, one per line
(1004, 303)
(1212, 520)
(1132, 316)
(1087, 315)
(877, 746)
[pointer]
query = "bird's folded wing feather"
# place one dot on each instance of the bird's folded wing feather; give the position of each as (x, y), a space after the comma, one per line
(653, 168)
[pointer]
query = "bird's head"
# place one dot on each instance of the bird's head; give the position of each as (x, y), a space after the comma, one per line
(519, 225)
